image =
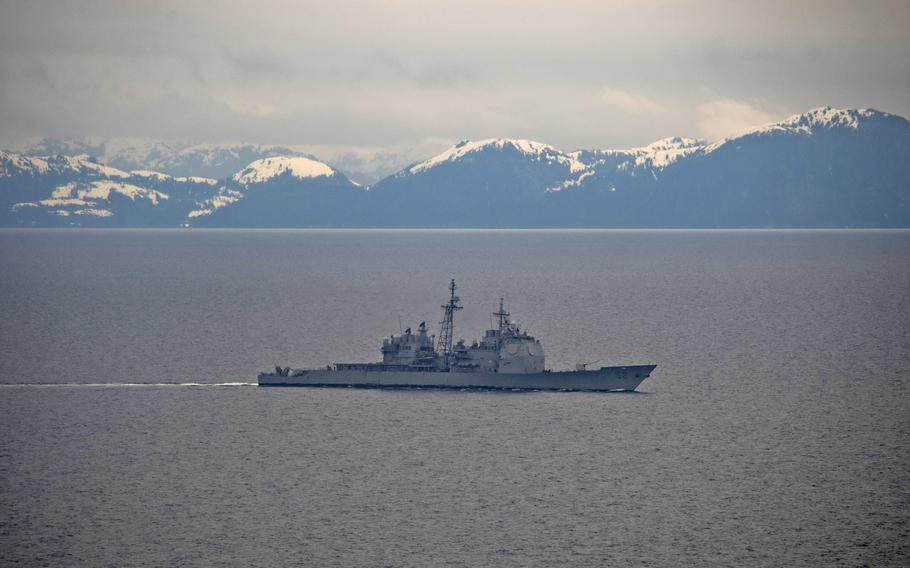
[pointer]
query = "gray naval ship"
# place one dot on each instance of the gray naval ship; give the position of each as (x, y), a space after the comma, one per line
(506, 358)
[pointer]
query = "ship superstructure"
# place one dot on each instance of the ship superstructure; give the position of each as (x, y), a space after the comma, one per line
(505, 357)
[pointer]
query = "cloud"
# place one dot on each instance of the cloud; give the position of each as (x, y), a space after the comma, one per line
(375, 162)
(629, 103)
(382, 67)
(254, 64)
(341, 72)
(720, 118)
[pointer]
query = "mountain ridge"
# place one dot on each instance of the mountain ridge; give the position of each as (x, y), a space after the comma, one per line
(824, 167)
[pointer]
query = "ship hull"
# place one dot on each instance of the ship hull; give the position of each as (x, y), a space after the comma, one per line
(604, 379)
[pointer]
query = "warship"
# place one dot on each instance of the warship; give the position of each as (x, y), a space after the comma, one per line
(506, 358)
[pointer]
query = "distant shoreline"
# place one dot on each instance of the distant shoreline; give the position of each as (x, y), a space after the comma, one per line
(466, 229)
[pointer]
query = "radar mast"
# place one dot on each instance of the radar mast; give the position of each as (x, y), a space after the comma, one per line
(503, 317)
(444, 347)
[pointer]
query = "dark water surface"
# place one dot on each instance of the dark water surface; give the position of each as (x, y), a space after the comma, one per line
(775, 430)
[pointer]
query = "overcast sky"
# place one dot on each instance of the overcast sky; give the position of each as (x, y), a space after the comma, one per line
(402, 73)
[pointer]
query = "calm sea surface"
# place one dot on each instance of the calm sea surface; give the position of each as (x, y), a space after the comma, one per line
(774, 432)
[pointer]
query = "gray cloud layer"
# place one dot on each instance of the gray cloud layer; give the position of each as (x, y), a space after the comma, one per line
(375, 74)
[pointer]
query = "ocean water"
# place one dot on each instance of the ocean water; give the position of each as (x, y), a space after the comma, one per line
(775, 430)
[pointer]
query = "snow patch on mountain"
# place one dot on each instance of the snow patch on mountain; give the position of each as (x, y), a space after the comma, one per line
(664, 152)
(102, 189)
(90, 198)
(64, 191)
(14, 164)
(158, 176)
(267, 168)
(659, 154)
(535, 150)
(84, 163)
(148, 174)
(83, 212)
(825, 117)
(224, 197)
(60, 202)
(574, 182)
(196, 179)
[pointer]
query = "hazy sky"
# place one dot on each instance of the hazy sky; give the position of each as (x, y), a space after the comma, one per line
(402, 73)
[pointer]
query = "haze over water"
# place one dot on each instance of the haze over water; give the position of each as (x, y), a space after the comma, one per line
(773, 432)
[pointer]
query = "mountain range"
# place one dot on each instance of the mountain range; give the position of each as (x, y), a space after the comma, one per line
(823, 168)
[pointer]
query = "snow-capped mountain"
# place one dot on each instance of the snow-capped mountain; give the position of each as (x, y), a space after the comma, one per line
(283, 191)
(267, 169)
(214, 161)
(79, 191)
(493, 182)
(816, 121)
(466, 151)
(181, 160)
(823, 168)
(13, 164)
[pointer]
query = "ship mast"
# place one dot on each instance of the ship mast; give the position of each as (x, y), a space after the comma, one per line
(503, 317)
(444, 346)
